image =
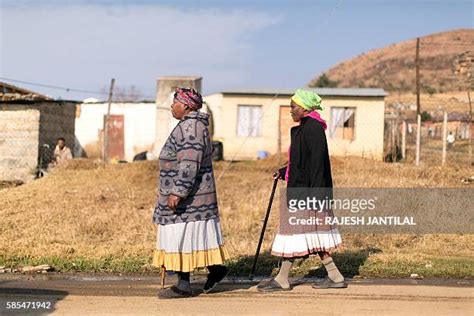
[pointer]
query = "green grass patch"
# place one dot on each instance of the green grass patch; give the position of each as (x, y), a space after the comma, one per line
(364, 263)
(80, 264)
(429, 267)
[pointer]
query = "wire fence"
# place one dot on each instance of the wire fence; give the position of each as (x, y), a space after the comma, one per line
(441, 142)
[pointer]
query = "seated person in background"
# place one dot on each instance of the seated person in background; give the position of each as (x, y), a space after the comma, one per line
(62, 153)
(450, 140)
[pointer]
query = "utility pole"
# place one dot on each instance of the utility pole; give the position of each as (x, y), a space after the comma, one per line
(106, 122)
(279, 137)
(469, 126)
(465, 70)
(445, 134)
(418, 114)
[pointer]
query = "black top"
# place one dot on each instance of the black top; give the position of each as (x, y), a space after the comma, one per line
(310, 166)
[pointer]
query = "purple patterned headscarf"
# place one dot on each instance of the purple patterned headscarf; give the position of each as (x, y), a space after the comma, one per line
(189, 97)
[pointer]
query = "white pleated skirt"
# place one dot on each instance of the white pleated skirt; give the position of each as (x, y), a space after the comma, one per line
(299, 245)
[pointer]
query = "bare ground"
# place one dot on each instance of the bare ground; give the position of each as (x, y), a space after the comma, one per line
(113, 296)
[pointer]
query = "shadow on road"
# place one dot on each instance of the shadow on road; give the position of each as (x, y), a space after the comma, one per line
(348, 262)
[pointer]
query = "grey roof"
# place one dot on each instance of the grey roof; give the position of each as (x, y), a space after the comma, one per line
(12, 92)
(38, 101)
(346, 92)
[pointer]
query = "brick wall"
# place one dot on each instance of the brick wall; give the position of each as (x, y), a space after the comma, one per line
(19, 134)
(57, 120)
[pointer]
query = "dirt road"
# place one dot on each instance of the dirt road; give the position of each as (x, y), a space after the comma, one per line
(89, 295)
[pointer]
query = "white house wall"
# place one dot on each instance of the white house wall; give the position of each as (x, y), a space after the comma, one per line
(139, 129)
(369, 125)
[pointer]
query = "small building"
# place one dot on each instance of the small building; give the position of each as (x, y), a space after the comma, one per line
(165, 87)
(30, 124)
(135, 127)
(132, 128)
(28, 133)
(249, 122)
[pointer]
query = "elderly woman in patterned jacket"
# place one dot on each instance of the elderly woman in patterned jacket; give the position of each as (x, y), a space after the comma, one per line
(186, 213)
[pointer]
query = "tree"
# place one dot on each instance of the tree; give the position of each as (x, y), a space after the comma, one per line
(324, 81)
(425, 116)
(125, 94)
(430, 90)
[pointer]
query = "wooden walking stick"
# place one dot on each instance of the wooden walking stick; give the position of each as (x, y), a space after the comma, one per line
(262, 234)
(163, 276)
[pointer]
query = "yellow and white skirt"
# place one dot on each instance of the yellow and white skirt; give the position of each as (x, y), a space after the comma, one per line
(186, 246)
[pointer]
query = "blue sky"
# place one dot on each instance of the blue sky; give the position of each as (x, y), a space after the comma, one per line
(232, 44)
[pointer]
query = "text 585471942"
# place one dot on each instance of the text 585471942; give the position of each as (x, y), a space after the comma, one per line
(28, 305)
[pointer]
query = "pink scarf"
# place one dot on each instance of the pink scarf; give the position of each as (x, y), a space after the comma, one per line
(316, 116)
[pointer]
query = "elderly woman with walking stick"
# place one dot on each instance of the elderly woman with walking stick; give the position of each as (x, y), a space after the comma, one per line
(308, 170)
(186, 213)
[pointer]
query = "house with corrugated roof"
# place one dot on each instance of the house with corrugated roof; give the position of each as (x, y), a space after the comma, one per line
(253, 123)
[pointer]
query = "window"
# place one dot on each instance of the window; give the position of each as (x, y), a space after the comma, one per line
(342, 123)
(248, 120)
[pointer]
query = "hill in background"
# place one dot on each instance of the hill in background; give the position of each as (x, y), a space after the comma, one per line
(393, 67)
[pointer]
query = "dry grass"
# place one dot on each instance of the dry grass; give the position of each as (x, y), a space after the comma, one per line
(393, 67)
(449, 101)
(91, 210)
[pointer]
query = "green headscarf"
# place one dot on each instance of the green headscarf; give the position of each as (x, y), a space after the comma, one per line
(308, 100)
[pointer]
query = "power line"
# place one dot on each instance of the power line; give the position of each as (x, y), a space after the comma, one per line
(333, 11)
(53, 87)
(103, 93)
(274, 98)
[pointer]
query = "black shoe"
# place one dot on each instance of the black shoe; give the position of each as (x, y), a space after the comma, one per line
(327, 283)
(173, 292)
(219, 273)
(319, 281)
(271, 286)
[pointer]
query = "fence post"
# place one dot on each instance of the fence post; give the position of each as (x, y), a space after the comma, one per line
(443, 138)
(106, 125)
(418, 139)
(394, 141)
(279, 137)
(469, 127)
(404, 139)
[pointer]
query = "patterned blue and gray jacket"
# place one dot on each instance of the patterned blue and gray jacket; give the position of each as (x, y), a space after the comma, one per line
(186, 171)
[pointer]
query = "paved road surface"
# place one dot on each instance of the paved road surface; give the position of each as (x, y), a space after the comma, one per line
(91, 295)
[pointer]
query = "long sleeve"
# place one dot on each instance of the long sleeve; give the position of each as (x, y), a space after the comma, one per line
(189, 136)
(57, 152)
(316, 149)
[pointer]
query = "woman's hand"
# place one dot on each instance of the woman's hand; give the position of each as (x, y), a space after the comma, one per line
(173, 201)
(280, 173)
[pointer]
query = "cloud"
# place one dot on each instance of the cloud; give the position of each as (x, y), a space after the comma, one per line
(84, 45)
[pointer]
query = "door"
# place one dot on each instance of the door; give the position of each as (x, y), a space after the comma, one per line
(115, 137)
